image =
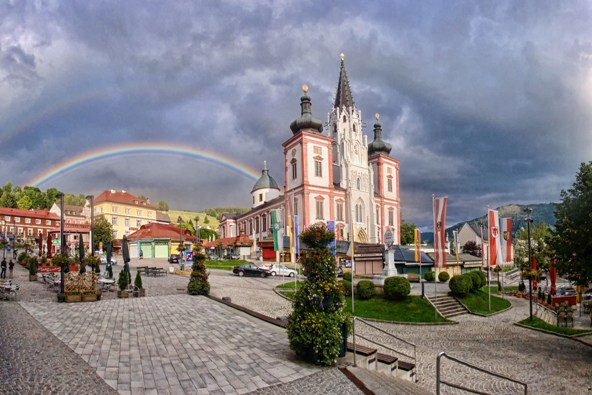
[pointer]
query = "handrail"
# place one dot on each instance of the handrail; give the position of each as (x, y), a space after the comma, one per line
(457, 386)
(414, 356)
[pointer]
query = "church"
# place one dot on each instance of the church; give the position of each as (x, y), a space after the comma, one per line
(333, 176)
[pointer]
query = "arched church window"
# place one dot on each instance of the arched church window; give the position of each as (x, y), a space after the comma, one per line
(344, 119)
(354, 127)
(359, 184)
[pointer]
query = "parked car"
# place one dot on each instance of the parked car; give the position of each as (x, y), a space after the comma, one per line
(566, 291)
(174, 258)
(104, 260)
(232, 257)
(587, 295)
(252, 270)
(213, 257)
(282, 270)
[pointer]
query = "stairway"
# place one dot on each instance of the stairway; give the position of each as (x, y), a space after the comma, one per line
(378, 383)
(447, 306)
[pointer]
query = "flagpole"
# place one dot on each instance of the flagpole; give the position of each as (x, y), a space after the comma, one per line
(435, 262)
(351, 238)
(489, 258)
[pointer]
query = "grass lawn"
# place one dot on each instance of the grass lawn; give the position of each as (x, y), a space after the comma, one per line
(479, 302)
(224, 265)
(493, 289)
(540, 324)
(287, 289)
(412, 309)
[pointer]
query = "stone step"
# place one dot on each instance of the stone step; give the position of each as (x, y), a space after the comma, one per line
(447, 306)
(379, 383)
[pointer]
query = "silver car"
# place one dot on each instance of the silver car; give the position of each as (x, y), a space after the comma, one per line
(104, 260)
(282, 270)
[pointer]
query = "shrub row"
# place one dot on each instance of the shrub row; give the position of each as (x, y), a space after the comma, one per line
(461, 285)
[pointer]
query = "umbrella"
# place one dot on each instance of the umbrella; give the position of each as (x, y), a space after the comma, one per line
(126, 255)
(553, 275)
(108, 267)
(40, 245)
(49, 245)
(81, 253)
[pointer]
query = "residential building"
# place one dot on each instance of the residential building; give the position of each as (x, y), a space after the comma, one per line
(336, 177)
(124, 211)
(27, 225)
(157, 240)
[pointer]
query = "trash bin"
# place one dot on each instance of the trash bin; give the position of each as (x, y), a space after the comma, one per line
(171, 270)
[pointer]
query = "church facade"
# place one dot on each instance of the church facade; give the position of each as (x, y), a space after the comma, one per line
(329, 176)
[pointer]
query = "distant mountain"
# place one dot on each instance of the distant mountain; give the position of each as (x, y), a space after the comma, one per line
(541, 213)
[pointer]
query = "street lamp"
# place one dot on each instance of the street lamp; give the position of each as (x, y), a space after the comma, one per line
(528, 220)
(61, 196)
(92, 224)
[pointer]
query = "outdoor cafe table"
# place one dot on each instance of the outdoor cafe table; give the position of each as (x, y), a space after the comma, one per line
(106, 284)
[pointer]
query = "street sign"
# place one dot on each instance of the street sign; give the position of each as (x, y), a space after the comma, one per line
(388, 238)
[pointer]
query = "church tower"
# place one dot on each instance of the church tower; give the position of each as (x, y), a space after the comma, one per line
(350, 162)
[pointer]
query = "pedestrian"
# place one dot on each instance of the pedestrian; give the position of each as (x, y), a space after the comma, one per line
(10, 267)
(141, 254)
(3, 266)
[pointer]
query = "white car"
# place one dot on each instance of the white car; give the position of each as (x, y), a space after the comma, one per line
(282, 270)
(104, 260)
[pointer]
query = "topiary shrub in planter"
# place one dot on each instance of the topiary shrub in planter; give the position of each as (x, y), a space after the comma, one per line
(460, 285)
(430, 276)
(475, 279)
(443, 277)
(347, 276)
(138, 285)
(198, 280)
(32, 268)
(317, 326)
(122, 283)
(365, 289)
(396, 288)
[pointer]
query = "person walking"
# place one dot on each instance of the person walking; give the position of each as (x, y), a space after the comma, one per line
(10, 267)
(3, 266)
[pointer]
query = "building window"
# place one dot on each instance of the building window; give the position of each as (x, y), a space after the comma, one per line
(257, 225)
(17, 219)
(260, 197)
(344, 118)
(389, 184)
(253, 199)
(359, 184)
(127, 211)
(139, 213)
(318, 168)
(264, 222)
(114, 234)
(320, 209)
(37, 222)
(359, 213)
(127, 222)
(48, 222)
(6, 218)
(138, 223)
(391, 217)
(294, 170)
(29, 232)
(39, 232)
(149, 214)
(114, 221)
(113, 209)
(20, 231)
(27, 220)
(378, 215)
(339, 211)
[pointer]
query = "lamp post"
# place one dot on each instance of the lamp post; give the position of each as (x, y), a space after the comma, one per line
(180, 222)
(528, 220)
(92, 224)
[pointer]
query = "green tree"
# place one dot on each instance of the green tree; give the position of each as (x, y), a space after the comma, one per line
(162, 206)
(103, 232)
(471, 247)
(206, 220)
(407, 233)
(51, 197)
(36, 196)
(572, 238)
(24, 203)
(7, 200)
(539, 246)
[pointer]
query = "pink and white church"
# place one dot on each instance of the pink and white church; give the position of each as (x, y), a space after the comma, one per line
(334, 175)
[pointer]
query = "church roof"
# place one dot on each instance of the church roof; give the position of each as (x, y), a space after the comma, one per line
(378, 145)
(265, 181)
(344, 97)
(306, 121)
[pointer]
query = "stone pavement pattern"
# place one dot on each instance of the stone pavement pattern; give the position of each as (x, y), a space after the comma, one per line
(166, 343)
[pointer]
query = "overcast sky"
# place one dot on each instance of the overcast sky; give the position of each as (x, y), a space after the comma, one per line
(486, 102)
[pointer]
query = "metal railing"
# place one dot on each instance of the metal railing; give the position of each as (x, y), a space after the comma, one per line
(439, 380)
(413, 346)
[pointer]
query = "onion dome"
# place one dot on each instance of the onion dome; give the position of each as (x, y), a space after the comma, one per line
(265, 181)
(306, 121)
(378, 146)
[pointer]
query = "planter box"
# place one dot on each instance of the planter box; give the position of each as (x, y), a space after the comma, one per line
(122, 294)
(142, 291)
(73, 298)
(89, 298)
(32, 277)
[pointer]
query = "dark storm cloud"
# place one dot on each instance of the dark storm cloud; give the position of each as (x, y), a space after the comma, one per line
(488, 103)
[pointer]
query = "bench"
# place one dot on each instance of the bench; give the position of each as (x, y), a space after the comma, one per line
(406, 370)
(413, 277)
(368, 355)
(156, 271)
(388, 364)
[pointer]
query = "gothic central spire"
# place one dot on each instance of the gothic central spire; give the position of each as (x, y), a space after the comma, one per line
(344, 97)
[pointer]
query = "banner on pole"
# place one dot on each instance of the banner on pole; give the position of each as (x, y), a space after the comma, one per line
(507, 240)
(495, 254)
(440, 231)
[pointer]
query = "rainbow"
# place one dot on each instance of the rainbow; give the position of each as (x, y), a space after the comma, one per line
(142, 149)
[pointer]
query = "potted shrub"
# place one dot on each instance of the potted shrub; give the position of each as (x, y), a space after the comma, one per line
(122, 283)
(138, 285)
(318, 326)
(32, 269)
(198, 280)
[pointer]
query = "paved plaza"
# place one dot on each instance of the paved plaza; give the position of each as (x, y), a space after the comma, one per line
(171, 343)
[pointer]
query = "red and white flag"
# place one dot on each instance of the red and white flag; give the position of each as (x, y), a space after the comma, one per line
(495, 253)
(507, 240)
(440, 231)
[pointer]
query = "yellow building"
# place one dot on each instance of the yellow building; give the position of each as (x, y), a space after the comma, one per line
(124, 211)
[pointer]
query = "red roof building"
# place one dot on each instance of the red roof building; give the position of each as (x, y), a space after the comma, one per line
(156, 240)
